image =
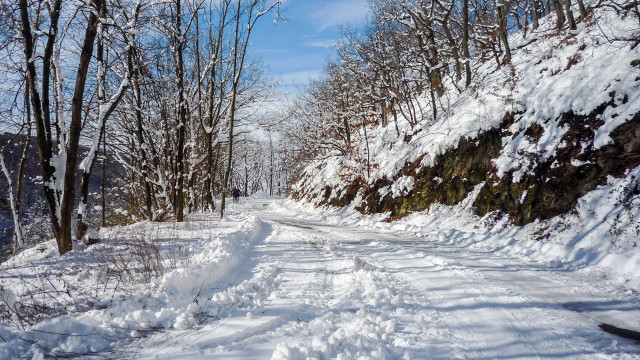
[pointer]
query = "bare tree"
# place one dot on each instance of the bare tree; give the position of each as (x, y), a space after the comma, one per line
(40, 105)
(106, 107)
(254, 9)
(59, 172)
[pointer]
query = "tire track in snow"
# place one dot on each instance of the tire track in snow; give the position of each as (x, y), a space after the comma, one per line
(401, 305)
(526, 321)
(330, 332)
(374, 249)
(352, 292)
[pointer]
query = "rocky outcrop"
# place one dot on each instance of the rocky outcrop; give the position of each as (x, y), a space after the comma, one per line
(551, 188)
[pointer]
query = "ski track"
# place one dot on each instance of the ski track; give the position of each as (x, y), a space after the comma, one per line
(351, 293)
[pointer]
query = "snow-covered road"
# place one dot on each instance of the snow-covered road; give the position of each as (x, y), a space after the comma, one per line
(312, 290)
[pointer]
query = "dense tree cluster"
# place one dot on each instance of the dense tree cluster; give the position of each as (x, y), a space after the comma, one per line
(409, 49)
(163, 87)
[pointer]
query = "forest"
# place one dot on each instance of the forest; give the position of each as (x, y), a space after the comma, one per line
(155, 91)
(165, 95)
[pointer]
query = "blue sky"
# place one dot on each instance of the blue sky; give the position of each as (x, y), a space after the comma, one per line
(296, 50)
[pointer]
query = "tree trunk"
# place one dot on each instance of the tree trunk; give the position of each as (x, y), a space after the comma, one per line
(200, 118)
(465, 43)
(583, 9)
(502, 18)
(86, 173)
(213, 111)
(270, 166)
(570, 19)
(144, 173)
(182, 121)
(534, 14)
(385, 115)
(43, 128)
(17, 233)
(232, 109)
(68, 195)
(366, 139)
(227, 172)
(452, 44)
(103, 181)
(246, 176)
(434, 105)
(21, 167)
(559, 14)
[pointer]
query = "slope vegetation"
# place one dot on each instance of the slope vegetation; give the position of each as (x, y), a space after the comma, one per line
(536, 140)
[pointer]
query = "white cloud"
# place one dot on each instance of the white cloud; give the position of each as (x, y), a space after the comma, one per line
(335, 13)
(319, 43)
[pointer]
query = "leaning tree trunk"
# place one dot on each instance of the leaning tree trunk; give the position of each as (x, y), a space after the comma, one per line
(465, 43)
(21, 167)
(502, 19)
(12, 205)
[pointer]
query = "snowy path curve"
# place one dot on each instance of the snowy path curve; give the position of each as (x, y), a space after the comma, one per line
(353, 293)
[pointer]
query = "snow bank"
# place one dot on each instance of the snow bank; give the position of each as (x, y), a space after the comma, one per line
(213, 262)
(139, 279)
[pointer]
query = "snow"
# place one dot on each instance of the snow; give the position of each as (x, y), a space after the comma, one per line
(403, 185)
(285, 280)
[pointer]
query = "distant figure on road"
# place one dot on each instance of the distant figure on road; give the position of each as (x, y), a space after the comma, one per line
(236, 194)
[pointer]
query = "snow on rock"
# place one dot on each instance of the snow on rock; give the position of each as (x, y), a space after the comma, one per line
(551, 75)
(403, 185)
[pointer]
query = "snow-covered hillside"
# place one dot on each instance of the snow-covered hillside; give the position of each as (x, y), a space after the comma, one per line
(548, 141)
(552, 73)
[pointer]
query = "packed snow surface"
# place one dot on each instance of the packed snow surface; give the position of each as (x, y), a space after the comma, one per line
(276, 279)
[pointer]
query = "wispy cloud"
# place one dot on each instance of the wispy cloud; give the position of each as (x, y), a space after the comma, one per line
(319, 43)
(299, 77)
(336, 13)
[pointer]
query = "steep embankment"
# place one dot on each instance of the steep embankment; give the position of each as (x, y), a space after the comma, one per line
(538, 139)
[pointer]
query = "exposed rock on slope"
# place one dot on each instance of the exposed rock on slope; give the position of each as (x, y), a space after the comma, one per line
(537, 135)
